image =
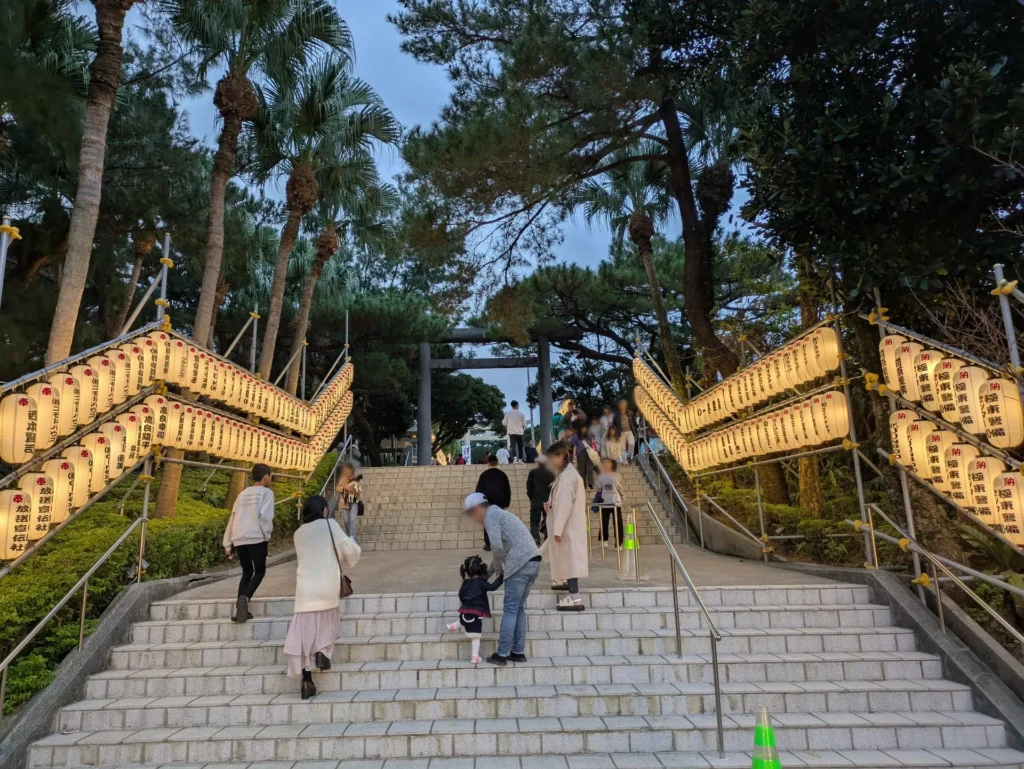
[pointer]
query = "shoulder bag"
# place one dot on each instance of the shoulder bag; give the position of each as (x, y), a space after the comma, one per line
(346, 584)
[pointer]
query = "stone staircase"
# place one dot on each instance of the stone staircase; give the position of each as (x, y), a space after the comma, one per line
(420, 508)
(603, 689)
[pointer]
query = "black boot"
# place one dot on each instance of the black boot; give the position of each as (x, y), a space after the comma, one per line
(308, 687)
(322, 661)
(242, 609)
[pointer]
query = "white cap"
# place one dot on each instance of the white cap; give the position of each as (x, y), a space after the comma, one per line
(474, 500)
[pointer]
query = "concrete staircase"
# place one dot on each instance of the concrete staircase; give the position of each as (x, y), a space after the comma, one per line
(420, 508)
(603, 689)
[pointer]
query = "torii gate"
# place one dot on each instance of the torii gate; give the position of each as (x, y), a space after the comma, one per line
(479, 336)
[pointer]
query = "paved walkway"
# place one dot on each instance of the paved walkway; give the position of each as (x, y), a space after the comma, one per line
(432, 570)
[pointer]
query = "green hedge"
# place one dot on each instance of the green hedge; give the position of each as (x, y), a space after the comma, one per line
(188, 543)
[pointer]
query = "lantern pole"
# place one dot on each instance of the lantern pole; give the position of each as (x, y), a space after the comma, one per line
(255, 326)
(8, 233)
(165, 266)
(302, 376)
(853, 427)
(1004, 307)
(760, 515)
(907, 507)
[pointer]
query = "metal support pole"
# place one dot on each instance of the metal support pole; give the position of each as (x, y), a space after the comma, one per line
(302, 376)
(874, 543)
(146, 470)
(81, 615)
(1004, 307)
(618, 546)
(544, 385)
(5, 242)
(700, 521)
(424, 420)
(853, 427)
(675, 602)
(908, 508)
(938, 600)
(238, 337)
(718, 695)
(533, 434)
(252, 348)
(760, 515)
(142, 303)
(346, 336)
(164, 271)
(636, 547)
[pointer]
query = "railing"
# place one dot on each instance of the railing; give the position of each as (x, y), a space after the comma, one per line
(657, 478)
(676, 564)
(83, 583)
(332, 476)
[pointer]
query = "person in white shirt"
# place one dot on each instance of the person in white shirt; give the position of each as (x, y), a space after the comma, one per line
(248, 533)
(502, 456)
(515, 426)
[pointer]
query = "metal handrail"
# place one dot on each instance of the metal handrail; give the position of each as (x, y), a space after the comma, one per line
(727, 514)
(675, 562)
(83, 585)
(938, 562)
(342, 453)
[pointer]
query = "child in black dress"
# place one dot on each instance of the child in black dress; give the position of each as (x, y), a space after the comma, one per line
(475, 603)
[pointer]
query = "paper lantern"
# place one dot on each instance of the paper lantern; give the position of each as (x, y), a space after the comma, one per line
(945, 384)
(88, 393)
(132, 426)
(99, 448)
(791, 371)
(149, 360)
(103, 368)
(147, 427)
(983, 472)
(1009, 505)
(1003, 417)
(917, 441)
(898, 422)
(115, 435)
(177, 361)
(15, 522)
(935, 445)
(67, 393)
(39, 488)
(174, 434)
(810, 420)
(905, 372)
(213, 376)
(162, 357)
(888, 349)
(925, 363)
(81, 460)
(837, 416)
(969, 380)
(825, 350)
(159, 404)
(958, 457)
(47, 402)
(19, 428)
(62, 472)
(136, 367)
(122, 372)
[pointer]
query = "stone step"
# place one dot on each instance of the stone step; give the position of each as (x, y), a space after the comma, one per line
(514, 702)
(466, 546)
(934, 758)
(514, 737)
(420, 623)
(596, 598)
(451, 646)
(539, 671)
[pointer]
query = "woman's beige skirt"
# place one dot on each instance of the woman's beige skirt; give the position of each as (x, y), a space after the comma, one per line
(309, 633)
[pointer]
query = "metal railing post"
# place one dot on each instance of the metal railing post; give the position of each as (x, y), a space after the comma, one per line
(255, 338)
(146, 469)
(909, 510)
(636, 547)
(675, 603)
(1004, 308)
(81, 615)
(164, 270)
(874, 543)
(938, 600)
(760, 515)
(700, 520)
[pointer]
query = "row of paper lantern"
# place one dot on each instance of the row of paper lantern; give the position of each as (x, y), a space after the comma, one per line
(65, 483)
(803, 360)
(985, 486)
(961, 393)
(674, 440)
(61, 404)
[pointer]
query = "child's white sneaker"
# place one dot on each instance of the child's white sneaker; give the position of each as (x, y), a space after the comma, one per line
(475, 659)
(453, 627)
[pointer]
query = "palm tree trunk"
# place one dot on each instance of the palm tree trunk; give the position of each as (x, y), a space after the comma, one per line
(365, 430)
(641, 229)
(302, 320)
(236, 485)
(223, 163)
(289, 235)
(697, 275)
(104, 79)
(126, 304)
(223, 287)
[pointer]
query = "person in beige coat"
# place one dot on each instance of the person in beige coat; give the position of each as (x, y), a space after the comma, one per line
(567, 527)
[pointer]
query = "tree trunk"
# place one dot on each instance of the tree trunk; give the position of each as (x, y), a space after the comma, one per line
(236, 485)
(366, 436)
(289, 235)
(126, 303)
(104, 79)
(223, 162)
(223, 287)
(697, 274)
(809, 487)
(641, 229)
(302, 320)
(774, 490)
(167, 496)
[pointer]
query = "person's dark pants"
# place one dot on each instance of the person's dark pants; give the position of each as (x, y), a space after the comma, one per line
(574, 585)
(537, 521)
(516, 446)
(254, 565)
(487, 540)
(606, 514)
(585, 468)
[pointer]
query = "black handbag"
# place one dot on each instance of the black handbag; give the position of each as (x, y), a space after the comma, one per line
(346, 584)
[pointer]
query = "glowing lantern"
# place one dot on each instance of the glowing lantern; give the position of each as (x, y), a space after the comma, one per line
(88, 394)
(1004, 420)
(213, 376)
(792, 373)
(48, 407)
(177, 361)
(935, 446)
(159, 405)
(945, 384)
(99, 448)
(15, 522)
(188, 428)
(103, 368)
(917, 441)
(136, 367)
(161, 360)
(983, 472)
(969, 381)
(888, 349)
(811, 423)
(115, 435)
(130, 423)
(836, 417)
(62, 472)
(825, 349)
(122, 372)
(39, 488)
(149, 360)
(81, 460)
(905, 372)
(1009, 505)
(19, 428)
(68, 395)
(958, 457)
(898, 422)
(174, 432)
(147, 426)
(924, 371)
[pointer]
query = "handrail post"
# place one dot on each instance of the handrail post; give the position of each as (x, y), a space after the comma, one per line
(938, 600)
(718, 694)
(146, 468)
(675, 603)
(700, 520)
(911, 530)
(874, 542)
(760, 515)
(636, 546)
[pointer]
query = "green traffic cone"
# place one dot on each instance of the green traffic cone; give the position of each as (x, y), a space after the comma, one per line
(766, 756)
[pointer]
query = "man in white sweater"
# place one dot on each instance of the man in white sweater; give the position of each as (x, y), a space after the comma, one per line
(248, 532)
(515, 425)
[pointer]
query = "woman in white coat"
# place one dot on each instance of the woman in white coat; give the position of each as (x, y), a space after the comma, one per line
(567, 527)
(321, 547)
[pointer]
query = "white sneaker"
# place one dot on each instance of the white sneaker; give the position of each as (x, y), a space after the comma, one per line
(570, 604)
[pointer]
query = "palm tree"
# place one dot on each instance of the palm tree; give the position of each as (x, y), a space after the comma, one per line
(273, 38)
(633, 198)
(104, 79)
(301, 131)
(361, 209)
